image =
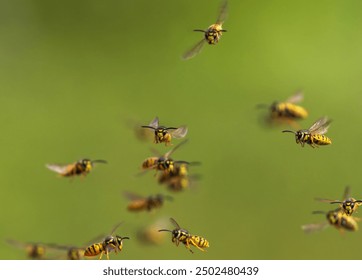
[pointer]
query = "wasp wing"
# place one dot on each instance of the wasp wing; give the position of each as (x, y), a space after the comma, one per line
(132, 196)
(173, 221)
(60, 169)
(169, 153)
(179, 132)
(314, 227)
(320, 126)
(347, 193)
(194, 50)
(295, 98)
(223, 12)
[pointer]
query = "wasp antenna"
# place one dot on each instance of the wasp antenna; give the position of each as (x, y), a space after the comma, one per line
(337, 201)
(99, 161)
(122, 238)
(199, 30)
(318, 212)
(171, 127)
(223, 30)
(164, 230)
(291, 131)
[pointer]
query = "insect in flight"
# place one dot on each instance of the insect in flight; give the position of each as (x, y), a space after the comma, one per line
(141, 203)
(336, 218)
(81, 167)
(211, 35)
(314, 136)
(180, 235)
(349, 205)
(165, 134)
(286, 111)
(35, 251)
(163, 162)
(178, 179)
(110, 243)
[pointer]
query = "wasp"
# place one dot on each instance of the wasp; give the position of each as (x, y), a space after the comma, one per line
(81, 167)
(141, 203)
(164, 162)
(286, 111)
(178, 179)
(110, 243)
(211, 35)
(163, 134)
(180, 235)
(314, 136)
(35, 251)
(337, 218)
(349, 205)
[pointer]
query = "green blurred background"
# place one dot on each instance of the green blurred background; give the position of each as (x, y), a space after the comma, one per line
(73, 73)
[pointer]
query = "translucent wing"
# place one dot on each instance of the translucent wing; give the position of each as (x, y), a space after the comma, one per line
(173, 221)
(295, 98)
(60, 169)
(169, 153)
(328, 200)
(180, 132)
(320, 126)
(132, 196)
(222, 13)
(194, 50)
(314, 227)
(347, 193)
(154, 123)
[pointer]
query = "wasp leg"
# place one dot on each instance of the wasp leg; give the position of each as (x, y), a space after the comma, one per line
(197, 246)
(101, 255)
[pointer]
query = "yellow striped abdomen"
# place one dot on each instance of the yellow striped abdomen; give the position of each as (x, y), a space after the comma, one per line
(320, 140)
(94, 250)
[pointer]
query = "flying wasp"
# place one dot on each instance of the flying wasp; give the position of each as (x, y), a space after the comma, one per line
(110, 243)
(211, 35)
(286, 111)
(349, 205)
(163, 162)
(337, 218)
(314, 136)
(141, 203)
(81, 167)
(179, 178)
(180, 235)
(35, 251)
(164, 134)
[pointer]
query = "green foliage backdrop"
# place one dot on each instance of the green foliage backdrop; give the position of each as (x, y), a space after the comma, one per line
(73, 72)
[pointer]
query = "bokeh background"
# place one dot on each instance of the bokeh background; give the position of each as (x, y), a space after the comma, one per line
(76, 75)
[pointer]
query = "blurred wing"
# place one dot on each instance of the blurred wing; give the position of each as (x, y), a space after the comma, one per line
(180, 132)
(223, 13)
(314, 227)
(154, 123)
(169, 153)
(296, 98)
(327, 200)
(60, 169)
(132, 196)
(320, 126)
(173, 221)
(347, 193)
(194, 50)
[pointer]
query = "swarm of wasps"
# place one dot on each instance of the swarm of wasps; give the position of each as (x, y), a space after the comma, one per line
(341, 218)
(288, 112)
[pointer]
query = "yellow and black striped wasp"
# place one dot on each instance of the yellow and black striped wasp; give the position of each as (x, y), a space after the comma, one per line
(180, 235)
(163, 162)
(314, 136)
(34, 250)
(110, 243)
(211, 35)
(337, 218)
(179, 178)
(349, 204)
(81, 167)
(165, 134)
(145, 203)
(286, 111)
